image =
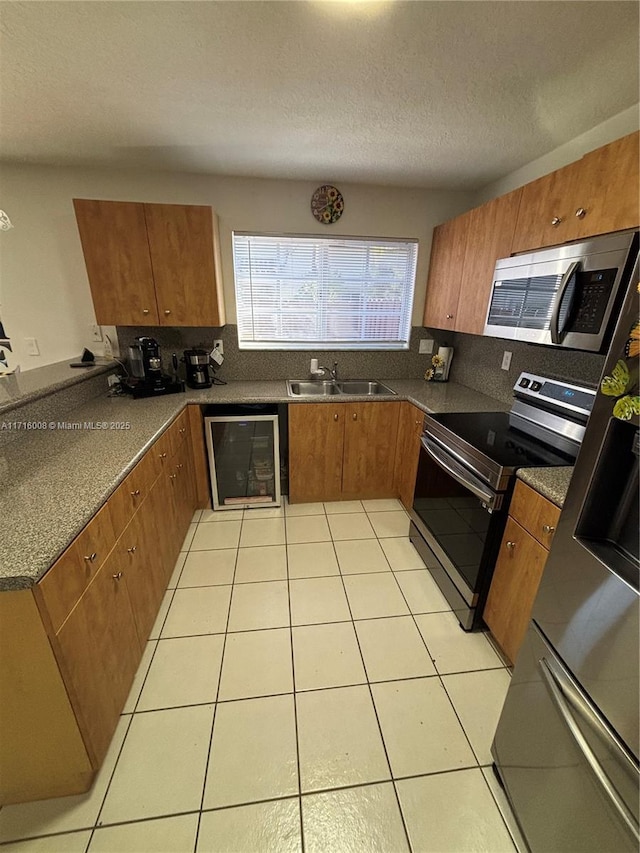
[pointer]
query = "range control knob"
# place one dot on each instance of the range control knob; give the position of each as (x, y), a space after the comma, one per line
(536, 386)
(524, 383)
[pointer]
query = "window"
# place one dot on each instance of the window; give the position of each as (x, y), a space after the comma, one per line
(315, 293)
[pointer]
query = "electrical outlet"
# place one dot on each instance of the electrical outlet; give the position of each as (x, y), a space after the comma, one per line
(506, 360)
(32, 347)
(219, 345)
(95, 331)
(426, 346)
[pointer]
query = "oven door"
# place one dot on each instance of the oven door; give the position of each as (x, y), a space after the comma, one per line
(461, 519)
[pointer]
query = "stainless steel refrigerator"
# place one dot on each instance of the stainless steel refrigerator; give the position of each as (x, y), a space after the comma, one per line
(567, 744)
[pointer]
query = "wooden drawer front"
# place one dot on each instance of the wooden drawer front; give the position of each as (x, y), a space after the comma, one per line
(535, 513)
(163, 450)
(178, 431)
(67, 579)
(128, 498)
(513, 588)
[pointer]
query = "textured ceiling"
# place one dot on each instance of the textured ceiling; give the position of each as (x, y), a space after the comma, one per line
(430, 94)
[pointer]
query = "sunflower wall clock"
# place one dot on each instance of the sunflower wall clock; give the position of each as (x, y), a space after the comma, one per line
(327, 204)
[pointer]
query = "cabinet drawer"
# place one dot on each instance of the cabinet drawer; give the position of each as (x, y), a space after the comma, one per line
(535, 513)
(128, 497)
(67, 579)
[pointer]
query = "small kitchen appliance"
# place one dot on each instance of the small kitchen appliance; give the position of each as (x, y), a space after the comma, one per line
(146, 378)
(566, 296)
(197, 365)
(466, 475)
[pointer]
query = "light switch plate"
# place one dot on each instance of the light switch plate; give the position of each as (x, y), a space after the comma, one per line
(95, 331)
(506, 360)
(426, 346)
(32, 347)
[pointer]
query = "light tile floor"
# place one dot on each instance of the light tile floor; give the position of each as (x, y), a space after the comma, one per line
(305, 687)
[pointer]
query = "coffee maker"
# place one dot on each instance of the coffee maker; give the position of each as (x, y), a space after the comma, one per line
(197, 364)
(146, 378)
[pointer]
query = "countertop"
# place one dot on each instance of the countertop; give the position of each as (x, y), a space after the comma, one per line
(18, 389)
(553, 483)
(55, 479)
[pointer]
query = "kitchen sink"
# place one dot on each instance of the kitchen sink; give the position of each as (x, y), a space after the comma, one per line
(327, 388)
(311, 388)
(363, 386)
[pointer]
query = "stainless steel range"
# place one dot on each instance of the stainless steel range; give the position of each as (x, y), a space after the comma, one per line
(466, 476)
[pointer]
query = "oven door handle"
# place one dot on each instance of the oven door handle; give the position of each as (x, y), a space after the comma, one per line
(557, 305)
(458, 472)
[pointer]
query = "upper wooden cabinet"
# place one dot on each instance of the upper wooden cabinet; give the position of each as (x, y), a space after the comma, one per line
(490, 230)
(595, 195)
(445, 272)
(151, 264)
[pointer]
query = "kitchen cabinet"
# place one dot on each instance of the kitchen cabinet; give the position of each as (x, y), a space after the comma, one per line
(342, 451)
(490, 230)
(597, 194)
(410, 422)
(523, 553)
(445, 272)
(72, 643)
(151, 264)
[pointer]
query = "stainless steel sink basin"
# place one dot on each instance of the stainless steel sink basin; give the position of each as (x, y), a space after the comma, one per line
(311, 388)
(363, 386)
(328, 388)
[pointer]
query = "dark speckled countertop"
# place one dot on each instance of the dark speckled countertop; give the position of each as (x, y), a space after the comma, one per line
(54, 480)
(553, 483)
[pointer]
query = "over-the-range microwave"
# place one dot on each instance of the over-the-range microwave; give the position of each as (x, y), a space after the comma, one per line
(567, 296)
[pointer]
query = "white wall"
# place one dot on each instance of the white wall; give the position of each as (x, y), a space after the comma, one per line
(44, 290)
(614, 128)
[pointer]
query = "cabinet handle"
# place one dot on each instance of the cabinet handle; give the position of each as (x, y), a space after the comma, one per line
(91, 557)
(179, 466)
(449, 316)
(145, 310)
(135, 493)
(163, 456)
(132, 550)
(556, 221)
(510, 544)
(117, 576)
(182, 430)
(172, 476)
(547, 528)
(581, 213)
(167, 311)
(335, 417)
(355, 416)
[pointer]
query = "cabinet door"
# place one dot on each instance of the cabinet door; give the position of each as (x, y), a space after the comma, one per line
(370, 437)
(445, 272)
(513, 588)
(546, 211)
(316, 440)
(489, 238)
(606, 190)
(144, 575)
(98, 653)
(535, 513)
(182, 255)
(407, 452)
(116, 253)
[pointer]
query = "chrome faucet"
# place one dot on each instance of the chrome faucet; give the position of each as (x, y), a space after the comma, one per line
(333, 373)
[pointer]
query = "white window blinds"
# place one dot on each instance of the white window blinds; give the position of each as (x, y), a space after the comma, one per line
(306, 292)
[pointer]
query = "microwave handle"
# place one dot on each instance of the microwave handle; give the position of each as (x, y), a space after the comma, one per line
(555, 314)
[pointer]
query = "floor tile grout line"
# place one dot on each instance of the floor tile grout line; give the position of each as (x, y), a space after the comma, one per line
(215, 704)
(295, 705)
(375, 711)
(497, 805)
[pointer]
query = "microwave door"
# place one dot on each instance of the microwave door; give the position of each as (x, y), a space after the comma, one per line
(563, 304)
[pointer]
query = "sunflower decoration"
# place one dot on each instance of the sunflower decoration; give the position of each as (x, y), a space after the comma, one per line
(437, 364)
(619, 384)
(327, 204)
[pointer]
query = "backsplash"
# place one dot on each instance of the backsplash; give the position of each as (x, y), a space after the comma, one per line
(476, 364)
(267, 364)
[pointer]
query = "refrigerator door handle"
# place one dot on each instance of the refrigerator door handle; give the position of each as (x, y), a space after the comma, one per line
(565, 693)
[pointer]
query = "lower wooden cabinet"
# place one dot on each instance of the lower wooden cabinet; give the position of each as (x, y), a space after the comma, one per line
(89, 620)
(521, 560)
(410, 425)
(342, 451)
